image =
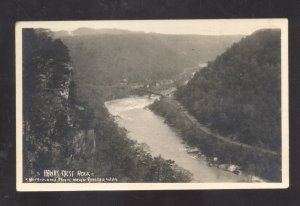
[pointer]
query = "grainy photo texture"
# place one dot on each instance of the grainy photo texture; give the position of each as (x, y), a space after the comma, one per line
(180, 104)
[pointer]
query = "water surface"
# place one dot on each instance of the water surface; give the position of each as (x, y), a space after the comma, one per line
(148, 128)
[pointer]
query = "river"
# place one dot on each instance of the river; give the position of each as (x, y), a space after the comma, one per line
(148, 128)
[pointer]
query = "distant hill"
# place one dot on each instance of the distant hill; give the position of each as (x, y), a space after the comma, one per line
(198, 48)
(62, 132)
(239, 93)
(107, 56)
(83, 31)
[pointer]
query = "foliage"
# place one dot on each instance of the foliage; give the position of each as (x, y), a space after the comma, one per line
(61, 131)
(105, 57)
(238, 94)
(252, 162)
(45, 76)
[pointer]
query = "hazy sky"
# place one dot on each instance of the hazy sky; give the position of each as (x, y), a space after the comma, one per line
(204, 27)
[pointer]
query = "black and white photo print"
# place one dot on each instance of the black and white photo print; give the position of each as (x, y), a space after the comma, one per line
(152, 104)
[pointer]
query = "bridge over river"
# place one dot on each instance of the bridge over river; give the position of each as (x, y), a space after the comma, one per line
(149, 92)
(167, 96)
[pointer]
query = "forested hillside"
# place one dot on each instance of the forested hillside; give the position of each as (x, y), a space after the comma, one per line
(60, 131)
(239, 93)
(108, 56)
(198, 48)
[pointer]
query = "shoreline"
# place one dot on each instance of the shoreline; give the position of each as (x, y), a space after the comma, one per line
(212, 147)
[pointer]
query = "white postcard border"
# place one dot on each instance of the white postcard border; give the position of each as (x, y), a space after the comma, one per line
(21, 186)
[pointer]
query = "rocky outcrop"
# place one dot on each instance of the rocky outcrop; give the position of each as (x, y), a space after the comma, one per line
(84, 143)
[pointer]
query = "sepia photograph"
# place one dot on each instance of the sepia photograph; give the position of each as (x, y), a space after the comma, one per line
(152, 105)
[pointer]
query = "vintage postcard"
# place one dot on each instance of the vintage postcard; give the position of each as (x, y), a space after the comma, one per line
(152, 105)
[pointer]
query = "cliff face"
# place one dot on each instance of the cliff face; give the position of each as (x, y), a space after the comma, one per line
(62, 132)
(84, 143)
(52, 134)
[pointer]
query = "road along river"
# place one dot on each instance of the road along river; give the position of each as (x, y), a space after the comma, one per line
(148, 128)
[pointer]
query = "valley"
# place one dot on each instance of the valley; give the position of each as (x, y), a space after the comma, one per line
(149, 107)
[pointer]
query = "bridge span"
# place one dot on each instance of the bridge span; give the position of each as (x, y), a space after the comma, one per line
(149, 92)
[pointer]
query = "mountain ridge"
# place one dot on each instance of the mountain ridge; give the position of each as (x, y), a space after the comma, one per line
(139, 57)
(238, 94)
(91, 31)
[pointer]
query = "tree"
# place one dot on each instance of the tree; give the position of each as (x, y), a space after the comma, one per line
(239, 92)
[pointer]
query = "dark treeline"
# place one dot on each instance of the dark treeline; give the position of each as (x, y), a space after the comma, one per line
(252, 162)
(110, 58)
(63, 132)
(239, 93)
(238, 96)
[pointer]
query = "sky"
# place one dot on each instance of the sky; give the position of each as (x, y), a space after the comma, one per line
(201, 27)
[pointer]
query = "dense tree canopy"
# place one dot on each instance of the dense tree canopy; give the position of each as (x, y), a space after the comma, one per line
(63, 132)
(46, 76)
(239, 93)
(105, 57)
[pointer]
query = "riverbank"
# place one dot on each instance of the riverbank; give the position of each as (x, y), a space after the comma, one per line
(251, 160)
(149, 129)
